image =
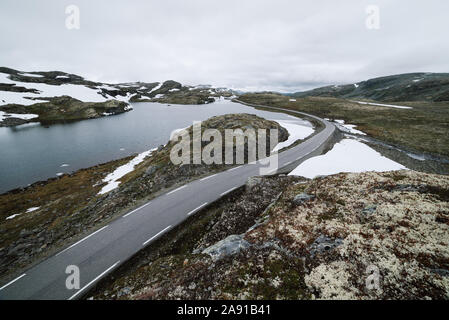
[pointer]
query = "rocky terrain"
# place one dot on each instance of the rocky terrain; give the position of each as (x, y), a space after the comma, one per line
(56, 96)
(430, 87)
(38, 220)
(346, 236)
(61, 109)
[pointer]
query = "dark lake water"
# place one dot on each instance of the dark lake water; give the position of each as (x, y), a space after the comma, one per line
(31, 152)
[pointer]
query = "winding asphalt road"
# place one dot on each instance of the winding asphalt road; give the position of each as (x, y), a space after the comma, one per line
(105, 249)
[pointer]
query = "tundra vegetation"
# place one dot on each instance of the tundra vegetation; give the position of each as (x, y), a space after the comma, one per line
(424, 128)
(285, 237)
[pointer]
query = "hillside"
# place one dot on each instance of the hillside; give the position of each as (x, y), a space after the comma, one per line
(420, 128)
(430, 87)
(286, 237)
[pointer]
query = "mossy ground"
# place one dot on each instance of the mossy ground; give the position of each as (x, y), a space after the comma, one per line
(396, 221)
(425, 128)
(60, 201)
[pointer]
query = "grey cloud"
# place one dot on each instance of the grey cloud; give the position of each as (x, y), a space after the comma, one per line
(257, 44)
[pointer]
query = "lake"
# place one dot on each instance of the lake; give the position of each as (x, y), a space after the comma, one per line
(33, 152)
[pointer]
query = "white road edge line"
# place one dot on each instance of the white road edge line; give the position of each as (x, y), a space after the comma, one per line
(136, 209)
(11, 282)
(208, 177)
(196, 209)
(87, 285)
(162, 231)
(177, 189)
(81, 240)
(226, 192)
(234, 168)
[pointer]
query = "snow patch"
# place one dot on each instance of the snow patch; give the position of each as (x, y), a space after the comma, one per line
(157, 87)
(25, 116)
(31, 75)
(112, 178)
(383, 105)
(107, 87)
(123, 98)
(126, 85)
(297, 131)
(346, 156)
(79, 92)
(350, 128)
(18, 214)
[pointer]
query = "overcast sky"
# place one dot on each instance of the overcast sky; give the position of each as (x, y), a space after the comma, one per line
(254, 45)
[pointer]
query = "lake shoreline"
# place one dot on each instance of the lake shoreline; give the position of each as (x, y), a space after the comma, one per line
(43, 150)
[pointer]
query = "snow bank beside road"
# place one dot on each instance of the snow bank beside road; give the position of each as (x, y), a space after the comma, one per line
(297, 131)
(350, 128)
(346, 156)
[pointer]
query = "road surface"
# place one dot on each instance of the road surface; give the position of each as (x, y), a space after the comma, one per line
(105, 249)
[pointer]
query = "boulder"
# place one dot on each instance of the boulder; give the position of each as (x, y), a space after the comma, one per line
(228, 246)
(302, 197)
(323, 244)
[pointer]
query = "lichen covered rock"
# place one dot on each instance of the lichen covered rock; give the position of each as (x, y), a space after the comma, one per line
(405, 236)
(360, 236)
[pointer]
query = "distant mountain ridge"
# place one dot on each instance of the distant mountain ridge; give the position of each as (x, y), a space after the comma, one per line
(22, 82)
(432, 87)
(56, 96)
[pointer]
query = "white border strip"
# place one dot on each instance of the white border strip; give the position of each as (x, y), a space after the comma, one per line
(87, 285)
(81, 240)
(208, 177)
(11, 282)
(136, 209)
(194, 210)
(226, 192)
(157, 234)
(177, 189)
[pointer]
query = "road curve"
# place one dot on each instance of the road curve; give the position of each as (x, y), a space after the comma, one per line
(105, 249)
